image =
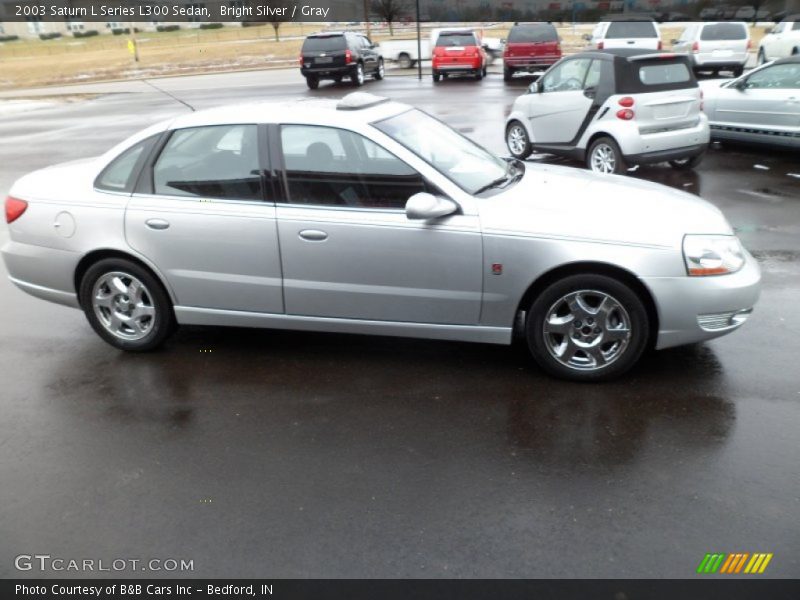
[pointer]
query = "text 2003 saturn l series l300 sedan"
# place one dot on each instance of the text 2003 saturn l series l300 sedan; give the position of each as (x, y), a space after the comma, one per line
(370, 216)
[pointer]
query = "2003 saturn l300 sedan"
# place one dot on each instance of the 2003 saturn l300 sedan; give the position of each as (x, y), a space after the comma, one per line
(369, 216)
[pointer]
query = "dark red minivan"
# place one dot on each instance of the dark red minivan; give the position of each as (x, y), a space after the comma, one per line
(530, 47)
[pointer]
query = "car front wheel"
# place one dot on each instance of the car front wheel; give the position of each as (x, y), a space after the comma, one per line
(604, 156)
(587, 328)
(517, 140)
(126, 305)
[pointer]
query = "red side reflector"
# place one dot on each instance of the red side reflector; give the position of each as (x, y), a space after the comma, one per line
(626, 101)
(14, 209)
(600, 45)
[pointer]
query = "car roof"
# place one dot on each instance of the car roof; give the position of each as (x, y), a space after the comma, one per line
(795, 58)
(353, 110)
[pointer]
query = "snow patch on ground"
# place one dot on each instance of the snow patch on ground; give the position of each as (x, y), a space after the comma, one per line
(10, 107)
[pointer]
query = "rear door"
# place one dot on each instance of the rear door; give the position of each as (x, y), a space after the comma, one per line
(632, 34)
(325, 51)
(723, 42)
(665, 93)
(557, 112)
(456, 48)
(535, 41)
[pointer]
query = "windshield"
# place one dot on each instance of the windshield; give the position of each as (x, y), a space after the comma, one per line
(461, 160)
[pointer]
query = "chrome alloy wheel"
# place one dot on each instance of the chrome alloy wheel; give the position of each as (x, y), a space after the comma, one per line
(381, 70)
(123, 305)
(587, 330)
(516, 139)
(359, 75)
(603, 159)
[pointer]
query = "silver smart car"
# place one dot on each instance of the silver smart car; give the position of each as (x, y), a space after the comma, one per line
(369, 216)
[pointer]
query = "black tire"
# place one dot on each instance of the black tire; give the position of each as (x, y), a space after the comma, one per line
(357, 76)
(526, 148)
(627, 352)
(762, 58)
(379, 71)
(436, 76)
(684, 164)
(479, 74)
(312, 82)
(620, 165)
(738, 71)
(404, 60)
(163, 321)
(508, 74)
(337, 79)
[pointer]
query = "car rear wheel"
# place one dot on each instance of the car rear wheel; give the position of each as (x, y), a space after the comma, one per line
(479, 74)
(312, 82)
(357, 77)
(380, 71)
(587, 328)
(126, 305)
(517, 140)
(404, 61)
(737, 71)
(508, 74)
(690, 162)
(604, 156)
(436, 77)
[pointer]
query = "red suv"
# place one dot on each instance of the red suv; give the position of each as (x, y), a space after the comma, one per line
(530, 47)
(458, 51)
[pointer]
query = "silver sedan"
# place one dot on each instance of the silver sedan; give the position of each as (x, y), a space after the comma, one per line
(369, 216)
(762, 106)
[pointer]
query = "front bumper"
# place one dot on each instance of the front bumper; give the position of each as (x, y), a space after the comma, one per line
(694, 309)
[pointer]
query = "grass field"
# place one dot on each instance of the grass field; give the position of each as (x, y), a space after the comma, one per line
(36, 63)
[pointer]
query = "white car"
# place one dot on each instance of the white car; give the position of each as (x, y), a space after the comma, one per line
(613, 109)
(626, 34)
(762, 106)
(782, 41)
(716, 46)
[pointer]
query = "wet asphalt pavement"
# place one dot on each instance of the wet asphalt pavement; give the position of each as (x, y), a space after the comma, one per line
(288, 454)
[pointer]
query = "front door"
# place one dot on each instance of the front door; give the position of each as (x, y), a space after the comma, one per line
(205, 224)
(769, 100)
(349, 251)
(565, 96)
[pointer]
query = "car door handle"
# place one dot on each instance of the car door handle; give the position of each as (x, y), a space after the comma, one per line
(313, 235)
(157, 224)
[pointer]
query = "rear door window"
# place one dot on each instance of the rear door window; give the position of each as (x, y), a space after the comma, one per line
(324, 43)
(532, 33)
(631, 29)
(724, 31)
(664, 74)
(456, 39)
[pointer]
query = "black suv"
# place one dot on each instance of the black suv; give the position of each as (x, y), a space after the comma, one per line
(336, 55)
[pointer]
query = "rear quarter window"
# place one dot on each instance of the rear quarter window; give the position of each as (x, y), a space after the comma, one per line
(724, 31)
(121, 173)
(530, 34)
(323, 43)
(632, 29)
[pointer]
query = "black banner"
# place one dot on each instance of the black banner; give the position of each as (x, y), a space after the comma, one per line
(222, 11)
(733, 588)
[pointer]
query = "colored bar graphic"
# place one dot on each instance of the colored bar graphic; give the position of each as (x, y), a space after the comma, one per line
(765, 563)
(734, 563)
(728, 564)
(743, 557)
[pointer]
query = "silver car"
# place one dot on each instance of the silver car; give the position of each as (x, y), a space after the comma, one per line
(762, 106)
(369, 216)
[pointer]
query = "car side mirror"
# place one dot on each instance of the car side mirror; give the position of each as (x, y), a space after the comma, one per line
(587, 37)
(534, 88)
(424, 206)
(740, 84)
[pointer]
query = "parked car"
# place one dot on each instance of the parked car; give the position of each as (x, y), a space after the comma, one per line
(716, 46)
(613, 109)
(642, 34)
(339, 54)
(458, 51)
(406, 52)
(369, 216)
(782, 41)
(530, 47)
(762, 106)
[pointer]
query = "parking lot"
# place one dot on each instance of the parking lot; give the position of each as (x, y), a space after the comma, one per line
(291, 454)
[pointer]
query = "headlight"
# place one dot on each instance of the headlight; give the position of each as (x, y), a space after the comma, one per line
(712, 254)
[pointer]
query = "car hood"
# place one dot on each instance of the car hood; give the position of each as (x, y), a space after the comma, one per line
(563, 202)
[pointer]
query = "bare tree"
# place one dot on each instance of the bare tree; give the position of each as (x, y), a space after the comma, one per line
(276, 20)
(389, 11)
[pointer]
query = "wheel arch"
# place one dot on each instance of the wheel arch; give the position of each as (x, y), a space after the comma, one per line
(101, 254)
(594, 268)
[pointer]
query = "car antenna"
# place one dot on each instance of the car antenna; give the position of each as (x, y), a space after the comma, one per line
(155, 87)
